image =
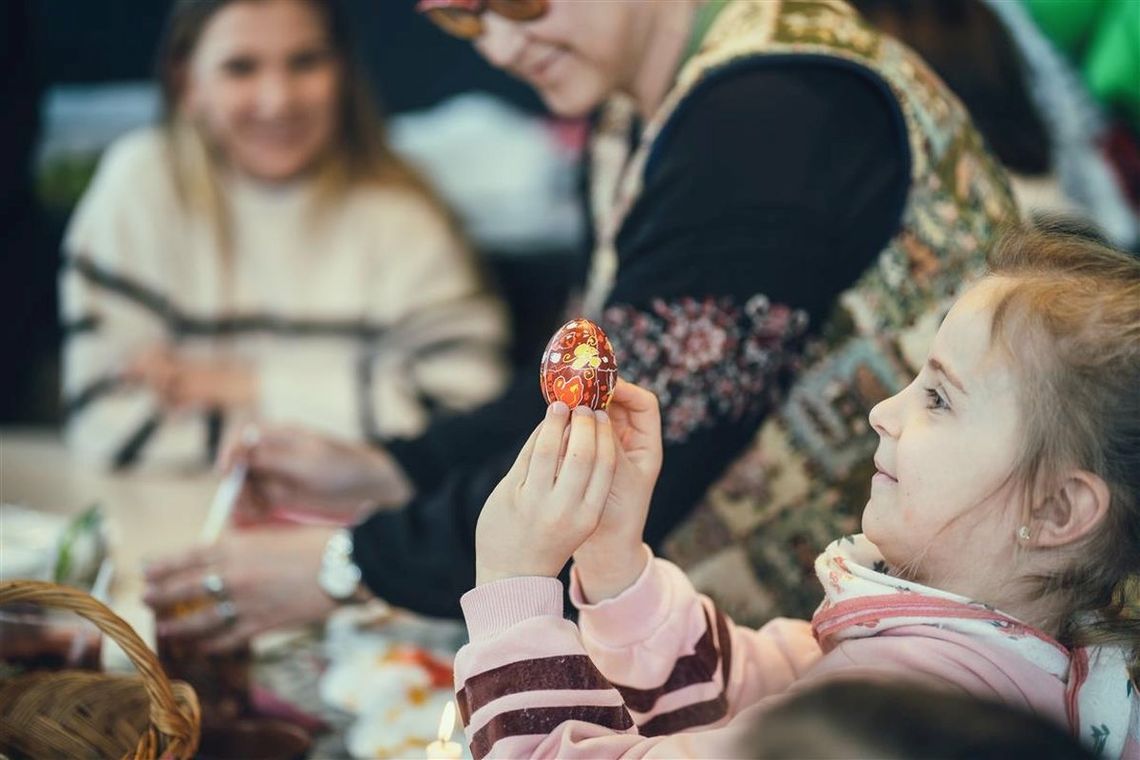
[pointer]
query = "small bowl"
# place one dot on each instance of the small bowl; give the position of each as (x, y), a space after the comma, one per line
(254, 739)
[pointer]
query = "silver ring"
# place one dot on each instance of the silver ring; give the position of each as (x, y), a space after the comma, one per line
(215, 585)
(227, 612)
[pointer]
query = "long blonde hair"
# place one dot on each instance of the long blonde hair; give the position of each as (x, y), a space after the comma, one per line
(1071, 317)
(359, 153)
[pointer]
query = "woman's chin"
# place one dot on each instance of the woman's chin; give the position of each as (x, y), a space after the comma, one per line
(275, 171)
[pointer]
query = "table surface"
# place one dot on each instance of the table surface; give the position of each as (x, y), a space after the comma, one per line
(149, 514)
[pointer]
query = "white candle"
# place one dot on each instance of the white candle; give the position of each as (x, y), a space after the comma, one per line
(444, 748)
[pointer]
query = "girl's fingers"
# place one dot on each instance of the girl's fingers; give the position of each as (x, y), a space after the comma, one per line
(636, 418)
(638, 406)
(579, 461)
(544, 458)
(562, 448)
(605, 462)
(518, 470)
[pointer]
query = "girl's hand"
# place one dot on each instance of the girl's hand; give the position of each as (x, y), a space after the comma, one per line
(548, 503)
(612, 558)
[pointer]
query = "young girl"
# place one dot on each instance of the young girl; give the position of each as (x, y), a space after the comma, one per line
(264, 254)
(1000, 546)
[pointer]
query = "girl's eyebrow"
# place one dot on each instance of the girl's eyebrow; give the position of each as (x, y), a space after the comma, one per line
(942, 369)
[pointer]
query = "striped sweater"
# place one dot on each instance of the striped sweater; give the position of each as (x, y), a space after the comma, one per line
(658, 671)
(358, 322)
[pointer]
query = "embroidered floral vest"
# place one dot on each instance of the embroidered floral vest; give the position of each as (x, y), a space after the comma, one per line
(805, 479)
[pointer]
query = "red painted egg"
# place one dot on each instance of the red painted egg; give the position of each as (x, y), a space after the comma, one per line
(578, 367)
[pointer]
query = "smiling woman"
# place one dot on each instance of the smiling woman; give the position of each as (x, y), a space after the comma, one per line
(264, 83)
(264, 254)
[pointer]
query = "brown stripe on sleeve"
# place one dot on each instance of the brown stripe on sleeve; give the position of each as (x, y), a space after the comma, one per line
(684, 718)
(690, 669)
(576, 672)
(724, 638)
(701, 713)
(543, 720)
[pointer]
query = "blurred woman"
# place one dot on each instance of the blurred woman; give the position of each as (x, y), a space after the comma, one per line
(264, 254)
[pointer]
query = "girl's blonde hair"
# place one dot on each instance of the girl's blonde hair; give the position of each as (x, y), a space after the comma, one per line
(359, 150)
(1071, 316)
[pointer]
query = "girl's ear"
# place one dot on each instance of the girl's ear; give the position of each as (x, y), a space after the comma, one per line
(1073, 512)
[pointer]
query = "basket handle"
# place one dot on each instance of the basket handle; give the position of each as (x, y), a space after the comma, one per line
(180, 722)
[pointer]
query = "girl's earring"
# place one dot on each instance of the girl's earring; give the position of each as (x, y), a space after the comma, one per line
(1023, 533)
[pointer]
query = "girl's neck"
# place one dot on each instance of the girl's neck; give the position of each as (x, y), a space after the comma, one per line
(1014, 597)
(1044, 614)
(665, 38)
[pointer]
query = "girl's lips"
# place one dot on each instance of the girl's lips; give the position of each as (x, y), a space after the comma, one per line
(882, 475)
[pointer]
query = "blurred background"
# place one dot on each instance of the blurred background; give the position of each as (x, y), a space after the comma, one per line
(1053, 84)
(79, 75)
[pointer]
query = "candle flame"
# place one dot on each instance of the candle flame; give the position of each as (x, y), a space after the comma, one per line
(447, 722)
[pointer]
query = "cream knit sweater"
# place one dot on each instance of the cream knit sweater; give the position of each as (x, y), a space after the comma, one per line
(358, 322)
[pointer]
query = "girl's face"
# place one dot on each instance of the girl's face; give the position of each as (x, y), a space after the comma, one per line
(942, 502)
(264, 83)
(576, 55)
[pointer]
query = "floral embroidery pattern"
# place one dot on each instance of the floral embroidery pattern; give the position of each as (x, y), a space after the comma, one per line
(707, 360)
(805, 477)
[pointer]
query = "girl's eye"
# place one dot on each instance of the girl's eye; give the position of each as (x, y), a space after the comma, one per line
(935, 400)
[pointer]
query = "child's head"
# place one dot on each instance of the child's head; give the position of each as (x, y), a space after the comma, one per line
(1015, 453)
(855, 719)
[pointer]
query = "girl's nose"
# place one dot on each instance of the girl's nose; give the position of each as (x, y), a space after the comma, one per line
(884, 416)
(501, 42)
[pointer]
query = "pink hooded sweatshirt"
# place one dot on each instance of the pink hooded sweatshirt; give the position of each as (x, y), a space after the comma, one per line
(658, 672)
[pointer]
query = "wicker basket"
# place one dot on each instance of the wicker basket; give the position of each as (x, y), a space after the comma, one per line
(79, 714)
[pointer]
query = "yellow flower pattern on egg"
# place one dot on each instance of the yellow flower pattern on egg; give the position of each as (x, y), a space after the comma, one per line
(586, 355)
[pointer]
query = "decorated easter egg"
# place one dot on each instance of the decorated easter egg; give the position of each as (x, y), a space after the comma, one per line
(578, 367)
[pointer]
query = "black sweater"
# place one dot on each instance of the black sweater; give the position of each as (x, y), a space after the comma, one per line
(774, 185)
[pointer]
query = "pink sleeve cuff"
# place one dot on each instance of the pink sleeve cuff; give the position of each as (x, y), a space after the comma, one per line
(494, 607)
(631, 616)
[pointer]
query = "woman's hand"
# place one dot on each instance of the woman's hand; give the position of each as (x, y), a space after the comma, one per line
(183, 383)
(549, 502)
(269, 576)
(301, 469)
(612, 558)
